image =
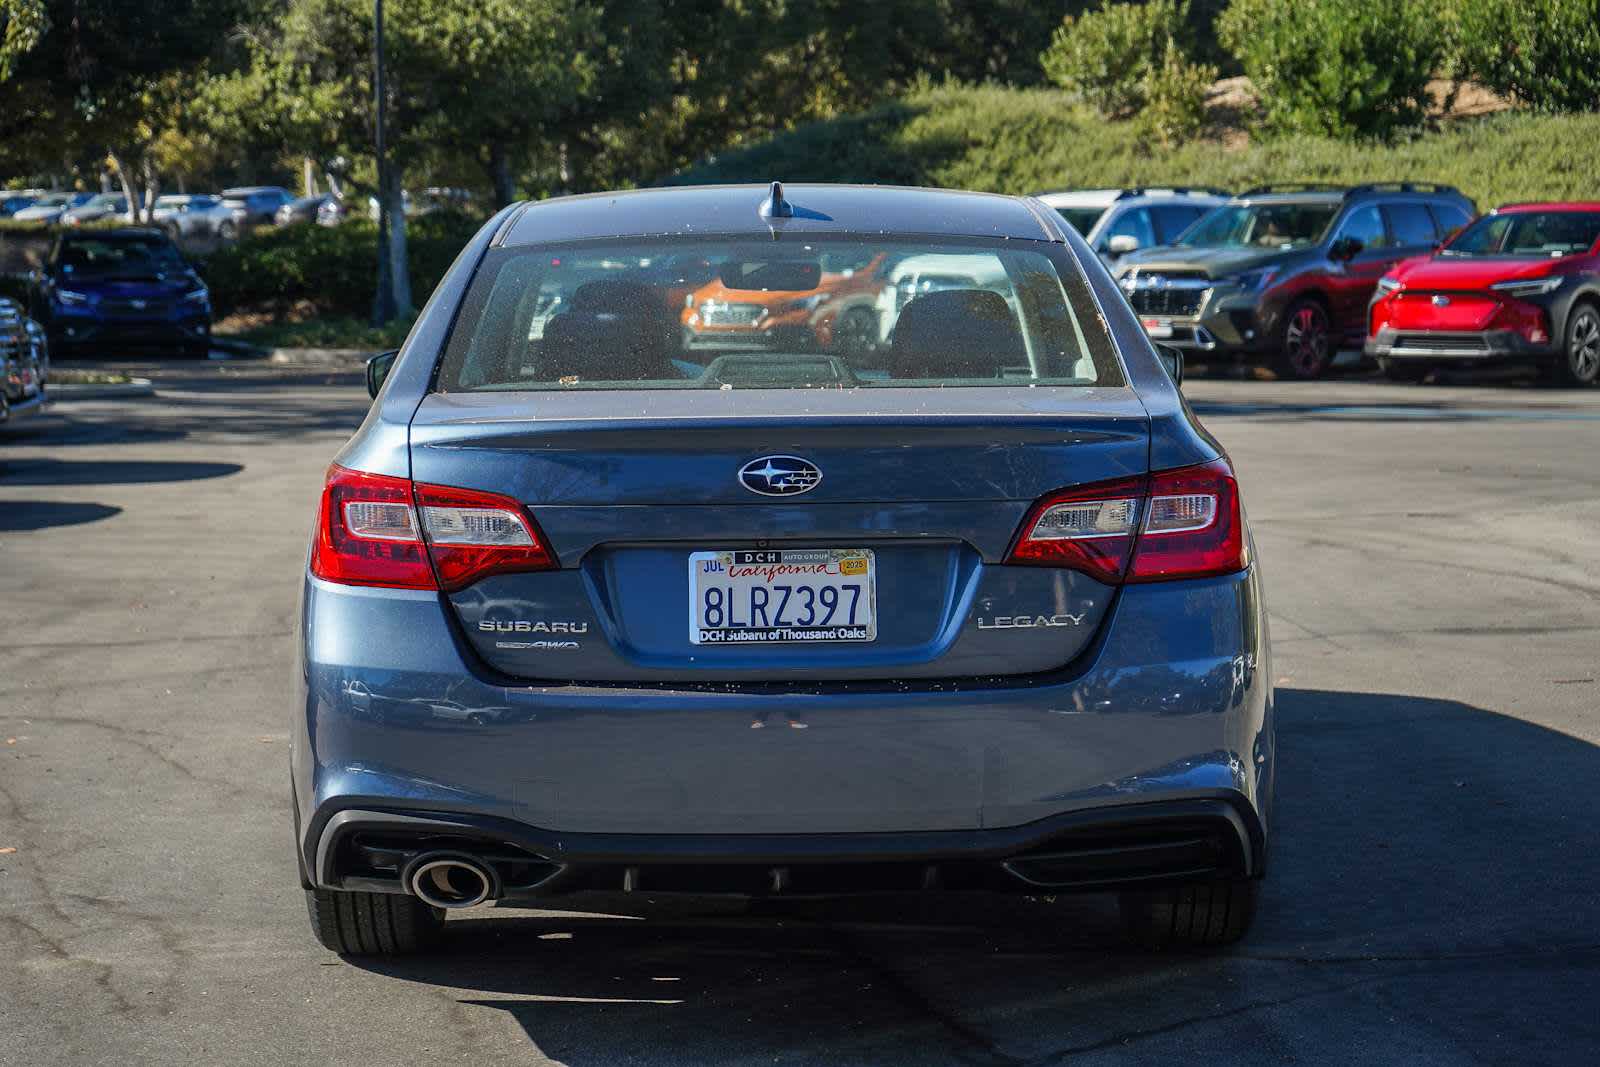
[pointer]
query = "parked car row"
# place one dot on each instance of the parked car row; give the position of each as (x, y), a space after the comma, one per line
(222, 215)
(1291, 274)
(24, 362)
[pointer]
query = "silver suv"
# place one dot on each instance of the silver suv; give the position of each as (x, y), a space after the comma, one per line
(1118, 221)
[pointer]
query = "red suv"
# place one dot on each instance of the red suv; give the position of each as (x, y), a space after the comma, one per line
(1521, 283)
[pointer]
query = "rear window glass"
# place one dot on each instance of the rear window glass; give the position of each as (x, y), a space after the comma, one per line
(799, 314)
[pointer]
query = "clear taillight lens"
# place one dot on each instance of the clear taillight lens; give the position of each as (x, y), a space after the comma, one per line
(367, 533)
(1194, 527)
(1089, 529)
(472, 535)
(373, 529)
(1182, 523)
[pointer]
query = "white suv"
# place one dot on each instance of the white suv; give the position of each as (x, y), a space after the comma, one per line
(1118, 221)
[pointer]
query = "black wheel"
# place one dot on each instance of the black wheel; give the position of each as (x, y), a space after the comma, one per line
(856, 332)
(372, 924)
(1579, 362)
(1202, 915)
(227, 231)
(174, 232)
(1305, 346)
(1403, 370)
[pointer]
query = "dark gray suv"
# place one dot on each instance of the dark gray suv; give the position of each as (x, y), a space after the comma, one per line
(1283, 274)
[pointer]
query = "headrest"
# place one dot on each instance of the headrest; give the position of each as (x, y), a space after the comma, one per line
(956, 333)
(612, 330)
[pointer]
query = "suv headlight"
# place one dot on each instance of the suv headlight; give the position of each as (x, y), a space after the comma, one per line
(197, 296)
(1529, 286)
(1387, 284)
(72, 296)
(1253, 280)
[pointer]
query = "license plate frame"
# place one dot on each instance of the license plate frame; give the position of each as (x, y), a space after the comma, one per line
(793, 617)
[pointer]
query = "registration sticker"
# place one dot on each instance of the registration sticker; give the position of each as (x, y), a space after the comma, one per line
(1158, 328)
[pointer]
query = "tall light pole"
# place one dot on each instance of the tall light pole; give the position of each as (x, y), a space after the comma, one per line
(383, 308)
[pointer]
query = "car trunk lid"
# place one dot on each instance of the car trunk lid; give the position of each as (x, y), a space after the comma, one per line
(628, 486)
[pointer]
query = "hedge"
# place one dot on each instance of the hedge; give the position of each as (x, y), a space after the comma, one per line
(1026, 140)
(333, 269)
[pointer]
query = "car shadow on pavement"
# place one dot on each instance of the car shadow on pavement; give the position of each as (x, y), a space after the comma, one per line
(1432, 886)
(18, 516)
(108, 472)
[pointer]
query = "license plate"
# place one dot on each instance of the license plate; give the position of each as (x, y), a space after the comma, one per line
(794, 596)
(1157, 327)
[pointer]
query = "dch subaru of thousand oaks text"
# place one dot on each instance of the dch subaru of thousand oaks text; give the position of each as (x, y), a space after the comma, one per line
(589, 608)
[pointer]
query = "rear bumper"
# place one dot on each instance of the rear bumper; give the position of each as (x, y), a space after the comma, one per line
(1456, 346)
(1171, 706)
(1117, 846)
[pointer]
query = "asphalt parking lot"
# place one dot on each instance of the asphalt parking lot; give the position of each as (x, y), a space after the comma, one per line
(1434, 896)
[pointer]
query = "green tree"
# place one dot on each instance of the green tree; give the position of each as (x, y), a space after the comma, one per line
(104, 78)
(1347, 68)
(1108, 56)
(1545, 53)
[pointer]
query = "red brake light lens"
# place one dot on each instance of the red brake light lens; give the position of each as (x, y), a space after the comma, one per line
(374, 529)
(472, 535)
(1193, 527)
(1182, 523)
(367, 533)
(1090, 529)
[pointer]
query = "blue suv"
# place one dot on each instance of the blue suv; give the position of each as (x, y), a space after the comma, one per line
(586, 608)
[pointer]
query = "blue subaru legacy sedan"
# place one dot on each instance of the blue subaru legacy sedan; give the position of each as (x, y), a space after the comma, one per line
(968, 605)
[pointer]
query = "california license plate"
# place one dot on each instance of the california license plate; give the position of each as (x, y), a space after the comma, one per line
(782, 597)
(1159, 328)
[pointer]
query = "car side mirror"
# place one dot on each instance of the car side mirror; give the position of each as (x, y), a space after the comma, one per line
(1345, 248)
(1172, 359)
(378, 368)
(1122, 244)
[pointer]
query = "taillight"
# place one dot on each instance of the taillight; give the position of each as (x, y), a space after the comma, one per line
(1182, 523)
(472, 535)
(374, 529)
(1192, 525)
(367, 533)
(1090, 529)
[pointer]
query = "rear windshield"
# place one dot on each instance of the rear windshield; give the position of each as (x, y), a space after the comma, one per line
(735, 313)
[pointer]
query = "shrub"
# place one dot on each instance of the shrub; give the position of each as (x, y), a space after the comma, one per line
(1175, 105)
(332, 268)
(1107, 56)
(1024, 140)
(1345, 68)
(1545, 53)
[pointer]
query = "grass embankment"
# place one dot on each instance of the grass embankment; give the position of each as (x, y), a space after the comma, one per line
(1025, 140)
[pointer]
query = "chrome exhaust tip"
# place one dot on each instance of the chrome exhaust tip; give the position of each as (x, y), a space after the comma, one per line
(451, 880)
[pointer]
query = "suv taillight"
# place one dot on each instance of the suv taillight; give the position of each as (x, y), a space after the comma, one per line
(1182, 523)
(374, 529)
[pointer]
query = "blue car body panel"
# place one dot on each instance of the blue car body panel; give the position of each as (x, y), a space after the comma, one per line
(1156, 694)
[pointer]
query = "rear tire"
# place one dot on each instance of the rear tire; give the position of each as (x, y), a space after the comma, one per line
(1404, 371)
(1305, 343)
(1201, 915)
(227, 231)
(1579, 361)
(372, 924)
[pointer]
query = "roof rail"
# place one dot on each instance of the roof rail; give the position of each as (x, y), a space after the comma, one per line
(1187, 190)
(1295, 187)
(1402, 187)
